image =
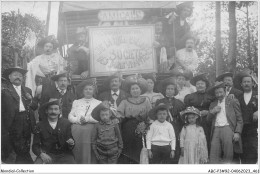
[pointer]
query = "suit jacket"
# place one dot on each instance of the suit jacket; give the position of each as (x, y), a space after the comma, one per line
(234, 118)
(41, 140)
(66, 99)
(249, 109)
(236, 92)
(107, 96)
(11, 127)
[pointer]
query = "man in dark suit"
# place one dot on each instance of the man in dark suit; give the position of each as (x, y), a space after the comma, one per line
(53, 141)
(60, 91)
(115, 95)
(227, 78)
(249, 108)
(18, 121)
(227, 123)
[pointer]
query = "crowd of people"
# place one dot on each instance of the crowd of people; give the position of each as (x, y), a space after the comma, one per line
(209, 124)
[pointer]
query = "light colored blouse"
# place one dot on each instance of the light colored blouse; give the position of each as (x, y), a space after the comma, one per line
(83, 108)
(128, 109)
(43, 65)
(188, 59)
(153, 97)
(185, 91)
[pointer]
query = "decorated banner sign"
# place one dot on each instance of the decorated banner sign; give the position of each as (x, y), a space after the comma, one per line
(120, 15)
(126, 49)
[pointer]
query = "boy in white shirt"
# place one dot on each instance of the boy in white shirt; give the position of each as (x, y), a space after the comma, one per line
(160, 138)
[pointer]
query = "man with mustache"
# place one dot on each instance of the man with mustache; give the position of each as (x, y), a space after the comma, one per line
(249, 107)
(115, 95)
(18, 121)
(227, 123)
(62, 91)
(53, 141)
(187, 58)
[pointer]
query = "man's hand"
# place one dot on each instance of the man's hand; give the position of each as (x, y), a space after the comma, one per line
(150, 154)
(45, 158)
(84, 75)
(204, 113)
(70, 142)
(215, 110)
(82, 120)
(255, 116)
(182, 151)
(119, 153)
(236, 137)
(172, 154)
(231, 96)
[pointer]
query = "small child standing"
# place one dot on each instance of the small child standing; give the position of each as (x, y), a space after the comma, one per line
(192, 139)
(160, 138)
(106, 139)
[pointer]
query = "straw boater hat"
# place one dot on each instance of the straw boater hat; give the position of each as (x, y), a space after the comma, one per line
(199, 77)
(133, 79)
(222, 76)
(57, 76)
(217, 85)
(189, 110)
(49, 39)
(153, 112)
(81, 86)
(8, 71)
(180, 7)
(96, 111)
(52, 101)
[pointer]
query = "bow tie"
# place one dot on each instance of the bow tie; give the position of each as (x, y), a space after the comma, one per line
(114, 94)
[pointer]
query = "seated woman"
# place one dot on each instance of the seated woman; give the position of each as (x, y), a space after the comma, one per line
(45, 65)
(83, 123)
(150, 94)
(133, 112)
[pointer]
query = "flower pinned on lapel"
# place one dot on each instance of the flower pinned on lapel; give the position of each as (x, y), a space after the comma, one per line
(254, 103)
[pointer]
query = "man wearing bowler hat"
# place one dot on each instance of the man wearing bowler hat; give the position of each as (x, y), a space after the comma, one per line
(61, 90)
(227, 78)
(227, 123)
(17, 119)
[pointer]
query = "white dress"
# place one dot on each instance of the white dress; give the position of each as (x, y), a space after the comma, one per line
(188, 59)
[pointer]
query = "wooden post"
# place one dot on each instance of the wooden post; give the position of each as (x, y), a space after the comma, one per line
(219, 64)
(48, 19)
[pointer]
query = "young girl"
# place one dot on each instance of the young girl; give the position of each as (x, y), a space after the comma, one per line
(192, 139)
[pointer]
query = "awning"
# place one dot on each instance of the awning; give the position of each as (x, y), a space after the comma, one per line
(94, 5)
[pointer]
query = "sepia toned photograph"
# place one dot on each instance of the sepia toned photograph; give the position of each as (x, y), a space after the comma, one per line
(129, 82)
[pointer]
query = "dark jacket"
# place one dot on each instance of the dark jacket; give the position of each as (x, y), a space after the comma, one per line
(201, 101)
(237, 93)
(107, 96)
(234, 117)
(41, 140)
(12, 127)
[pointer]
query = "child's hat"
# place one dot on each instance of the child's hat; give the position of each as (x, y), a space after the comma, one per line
(96, 111)
(189, 110)
(153, 112)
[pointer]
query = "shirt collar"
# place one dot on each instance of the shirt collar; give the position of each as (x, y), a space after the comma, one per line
(117, 92)
(17, 87)
(60, 89)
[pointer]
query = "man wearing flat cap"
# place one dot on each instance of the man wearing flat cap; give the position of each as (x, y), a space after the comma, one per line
(114, 95)
(227, 78)
(53, 141)
(18, 121)
(62, 91)
(249, 107)
(227, 123)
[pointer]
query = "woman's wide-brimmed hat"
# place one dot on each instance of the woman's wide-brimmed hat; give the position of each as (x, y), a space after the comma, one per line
(8, 71)
(96, 111)
(61, 74)
(83, 84)
(217, 85)
(164, 83)
(49, 39)
(151, 76)
(222, 76)
(189, 110)
(52, 101)
(153, 112)
(134, 79)
(180, 7)
(199, 77)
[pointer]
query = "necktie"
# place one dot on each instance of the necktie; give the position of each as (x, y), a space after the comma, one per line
(115, 94)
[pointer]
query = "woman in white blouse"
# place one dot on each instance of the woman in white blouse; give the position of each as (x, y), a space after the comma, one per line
(83, 122)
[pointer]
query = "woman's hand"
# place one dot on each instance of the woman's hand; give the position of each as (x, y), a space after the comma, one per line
(70, 142)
